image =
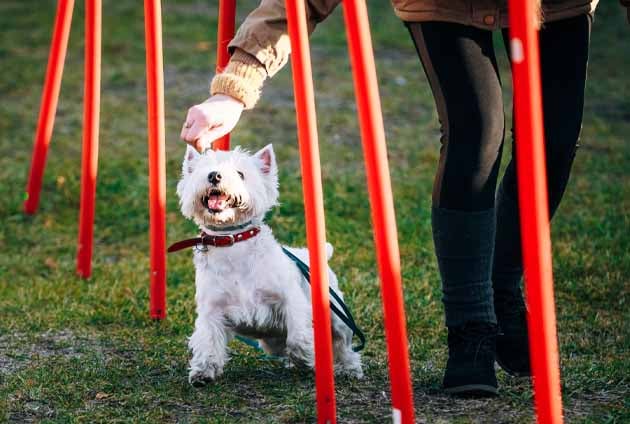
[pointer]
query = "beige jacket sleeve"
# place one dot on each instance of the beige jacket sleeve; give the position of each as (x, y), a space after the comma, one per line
(261, 48)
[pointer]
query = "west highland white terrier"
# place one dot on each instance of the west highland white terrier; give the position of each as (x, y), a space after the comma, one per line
(245, 284)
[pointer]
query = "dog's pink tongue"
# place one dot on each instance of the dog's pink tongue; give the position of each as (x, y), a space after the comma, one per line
(217, 202)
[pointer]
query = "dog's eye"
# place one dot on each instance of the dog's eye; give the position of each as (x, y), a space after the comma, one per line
(240, 174)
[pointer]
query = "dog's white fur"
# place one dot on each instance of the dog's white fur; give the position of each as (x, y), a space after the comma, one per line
(250, 288)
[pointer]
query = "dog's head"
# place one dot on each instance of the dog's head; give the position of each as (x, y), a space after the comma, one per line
(228, 188)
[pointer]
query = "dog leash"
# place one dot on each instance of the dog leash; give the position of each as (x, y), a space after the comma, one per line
(345, 316)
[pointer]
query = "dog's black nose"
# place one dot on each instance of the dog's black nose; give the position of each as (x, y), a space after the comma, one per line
(214, 177)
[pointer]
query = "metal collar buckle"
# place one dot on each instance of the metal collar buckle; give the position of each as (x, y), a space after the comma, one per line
(200, 247)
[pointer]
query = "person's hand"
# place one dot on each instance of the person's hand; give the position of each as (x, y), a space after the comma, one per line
(211, 120)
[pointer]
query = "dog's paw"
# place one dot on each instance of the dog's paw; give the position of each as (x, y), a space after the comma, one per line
(199, 381)
(201, 377)
(355, 372)
(301, 355)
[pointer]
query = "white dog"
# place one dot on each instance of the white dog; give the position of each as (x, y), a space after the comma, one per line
(245, 283)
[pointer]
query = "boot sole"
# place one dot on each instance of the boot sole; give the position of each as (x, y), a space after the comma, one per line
(472, 390)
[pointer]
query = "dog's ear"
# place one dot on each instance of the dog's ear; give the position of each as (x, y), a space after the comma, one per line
(267, 160)
(190, 157)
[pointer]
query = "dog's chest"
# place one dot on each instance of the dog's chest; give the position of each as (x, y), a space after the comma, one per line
(248, 291)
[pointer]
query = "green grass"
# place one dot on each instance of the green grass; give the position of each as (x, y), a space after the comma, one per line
(85, 351)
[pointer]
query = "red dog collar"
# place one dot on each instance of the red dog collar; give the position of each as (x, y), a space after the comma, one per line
(214, 240)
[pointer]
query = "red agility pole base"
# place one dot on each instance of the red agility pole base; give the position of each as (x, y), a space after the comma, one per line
(91, 116)
(225, 33)
(157, 157)
(155, 97)
(532, 188)
(382, 202)
(48, 107)
(313, 209)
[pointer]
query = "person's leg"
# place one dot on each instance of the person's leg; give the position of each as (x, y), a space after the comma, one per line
(563, 60)
(461, 67)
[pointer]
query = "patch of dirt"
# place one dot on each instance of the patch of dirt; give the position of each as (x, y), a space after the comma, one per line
(435, 407)
(17, 350)
(32, 412)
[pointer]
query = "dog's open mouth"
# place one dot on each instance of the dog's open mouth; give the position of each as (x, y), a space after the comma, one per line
(215, 200)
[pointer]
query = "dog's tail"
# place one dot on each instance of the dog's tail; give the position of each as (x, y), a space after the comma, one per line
(329, 250)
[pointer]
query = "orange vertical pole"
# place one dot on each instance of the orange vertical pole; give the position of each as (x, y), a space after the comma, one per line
(91, 114)
(532, 188)
(157, 163)
(225, 33)
(381, 199)
(48, 107)
(313, 209)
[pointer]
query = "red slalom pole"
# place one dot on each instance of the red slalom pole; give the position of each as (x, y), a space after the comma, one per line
(381, 199)
(157, 161)
(313, 209)
(532, 188)
(48, 107)
(225, 33)
(91, 114)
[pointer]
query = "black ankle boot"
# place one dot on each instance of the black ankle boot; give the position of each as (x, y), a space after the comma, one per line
(471, 356)
(512, 340)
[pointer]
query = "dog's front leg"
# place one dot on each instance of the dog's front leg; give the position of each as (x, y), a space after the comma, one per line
(299, 331)
(209, 349)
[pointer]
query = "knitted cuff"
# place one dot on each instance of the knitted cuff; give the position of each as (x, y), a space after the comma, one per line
(464, 242)
(242, 79)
